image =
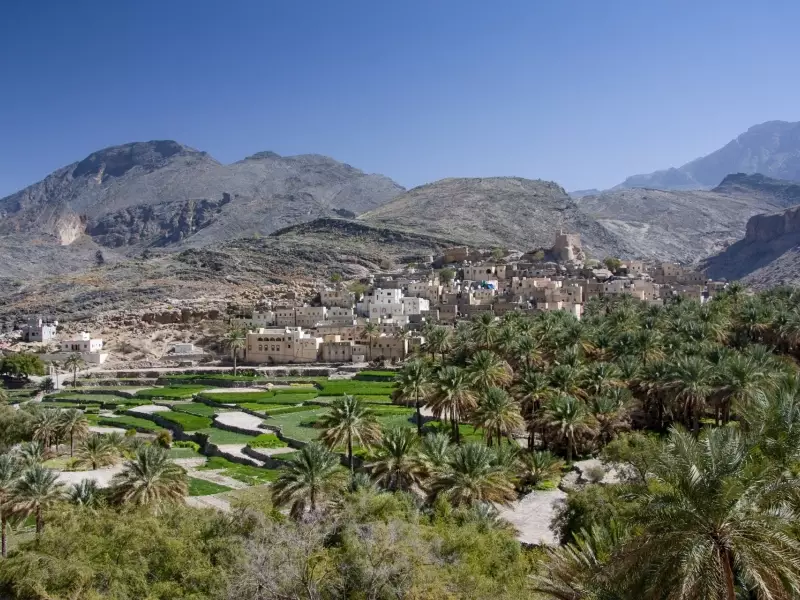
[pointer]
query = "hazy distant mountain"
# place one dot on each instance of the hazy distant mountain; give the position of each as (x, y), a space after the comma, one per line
(582, 193)
(688, 225)
(494, 211)
(161, 193)
(771, 148)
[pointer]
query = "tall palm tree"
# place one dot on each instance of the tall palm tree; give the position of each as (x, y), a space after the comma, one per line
(438, 340)
(529, 351)
(711, 518)
(350, 420)
(96, 452)
(435, 452)
(31, 453)
(235, 340)
(308, 481)
(46, 426)
(36, 491)
(452, 397)
(692, 382)
(149, 479)
(507, 341)
(568, 417)
(484, 330)
(611, 413)
(567, 379)
(487, 369)
(472, 476)
(9, 473)
(600, 377)
(414, 385)
(743, 381)
(75, 425)
(532, 389)
(396, 465)
(370, 332)
(73, 363)
(498, 415)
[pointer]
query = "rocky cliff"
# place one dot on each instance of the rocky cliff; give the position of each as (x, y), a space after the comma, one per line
(768, 255)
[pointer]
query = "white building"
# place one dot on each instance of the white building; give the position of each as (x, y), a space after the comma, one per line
(89, 348)
(38, 330)
(257, 321)
(309, 316)
(414, 306)
(281, 346)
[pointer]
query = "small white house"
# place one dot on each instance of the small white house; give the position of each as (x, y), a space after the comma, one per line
(82, 343)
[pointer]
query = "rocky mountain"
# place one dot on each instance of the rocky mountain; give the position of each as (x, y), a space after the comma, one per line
(768, 255)
(161, 193)
(771, 148)
(496, 211)
(688, 225)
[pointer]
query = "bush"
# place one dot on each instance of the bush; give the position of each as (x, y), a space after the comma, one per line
(164, 438)
(595, 473)
(267, 440)
(193, 445)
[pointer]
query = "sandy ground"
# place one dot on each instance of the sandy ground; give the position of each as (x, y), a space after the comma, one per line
(149, 409)
(101, 476)
(101, 429)
(532, 514)
(216, 476)
(240, 420)
(274, 451)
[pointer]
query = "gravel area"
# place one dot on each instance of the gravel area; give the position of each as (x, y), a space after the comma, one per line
(101, 476)
(240, 420)
(532, 514)
(101, 429)
(218, 502)
(216, 476)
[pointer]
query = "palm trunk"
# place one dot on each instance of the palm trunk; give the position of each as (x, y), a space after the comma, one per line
(74, 377)
(727, 568)
(350, 455)
(39, 521)
(3, 534)
(569, 450)
(419, 415)
(71, 444)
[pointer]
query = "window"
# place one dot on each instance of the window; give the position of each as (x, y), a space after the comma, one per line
(260, 348)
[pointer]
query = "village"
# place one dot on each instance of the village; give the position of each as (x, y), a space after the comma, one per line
(384, 318)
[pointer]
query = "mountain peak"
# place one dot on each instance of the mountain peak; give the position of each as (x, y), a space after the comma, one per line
(266, 154)
(115, 161)
(771, 148)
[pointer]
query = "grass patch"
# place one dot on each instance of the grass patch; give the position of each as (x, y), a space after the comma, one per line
(237, 397)
(272, 410)
(184, 453)
(267, 440)
(220, 436)
(128, 422)
(196, 408)
(183, 391)
(299, 425)
(356, 388)
(186, 421)
(376, 376)
(178, 377)
(286, 456)
(201, 487)
(244, 473)
(375, 399)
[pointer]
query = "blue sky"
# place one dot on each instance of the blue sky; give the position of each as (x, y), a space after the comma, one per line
(581, 92)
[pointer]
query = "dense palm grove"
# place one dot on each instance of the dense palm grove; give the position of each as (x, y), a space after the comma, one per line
(696, 409)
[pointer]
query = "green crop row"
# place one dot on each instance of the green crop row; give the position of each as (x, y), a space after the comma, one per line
(186, 391)
(186, 421)
(128, 422)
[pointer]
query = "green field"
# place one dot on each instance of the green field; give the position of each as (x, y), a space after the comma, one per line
(221, 376)
(184, 453)
(201, 487)
(260, 397)
(244, 473)
(220, 436)
(186, 421)
(183, 391)
(267, 440)
(271, 410)
(356, 388)
(196, 408)
(128, 422)
(376, 376)
(299, 426)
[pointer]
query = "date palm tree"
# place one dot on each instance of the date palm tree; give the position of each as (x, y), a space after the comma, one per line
(487, 369)
(350, 420)
(692, 383)
(472, 476)
(743, 381)
(396, 465)
(611, 413)
(498, 415)
(568, 418)
(438, 340)
(31, 453)
(308, 481)
(46, 426)
(235, 340)
(600, 377)
(10, 469)
(414, 385)
(85, 493)
(539, 466)
(370, 332)
(149, 479)
(452, 398)
(484, 330)
(435, 452)
(712, 518)
(532, 390)
(96, 452)
(73, 363)
(36, 491)
(75, 425)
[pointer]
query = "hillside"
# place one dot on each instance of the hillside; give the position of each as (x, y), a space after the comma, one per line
(161, 194)
(771, 148)
(495, 211)
(688, 225)
(768, 255)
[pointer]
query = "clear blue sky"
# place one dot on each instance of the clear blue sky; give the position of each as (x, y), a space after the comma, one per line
(580, 92)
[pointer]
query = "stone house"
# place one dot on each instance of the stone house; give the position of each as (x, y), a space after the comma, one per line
(258, 320)
(284, 345)
(39, 330)
(336, 297)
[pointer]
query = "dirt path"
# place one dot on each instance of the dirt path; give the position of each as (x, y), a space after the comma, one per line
(532, 514)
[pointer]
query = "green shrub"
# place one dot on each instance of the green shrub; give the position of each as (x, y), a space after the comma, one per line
(267, 440)
(187, 444)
